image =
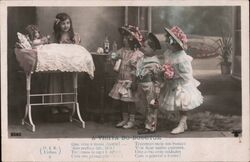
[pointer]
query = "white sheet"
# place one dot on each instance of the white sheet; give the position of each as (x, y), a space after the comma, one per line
(64, 58)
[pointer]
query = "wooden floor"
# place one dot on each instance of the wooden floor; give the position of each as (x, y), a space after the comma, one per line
(222, 96)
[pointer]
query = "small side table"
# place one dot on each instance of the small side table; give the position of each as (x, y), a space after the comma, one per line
(100, 86)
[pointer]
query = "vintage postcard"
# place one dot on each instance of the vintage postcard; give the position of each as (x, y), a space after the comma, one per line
(125, 80)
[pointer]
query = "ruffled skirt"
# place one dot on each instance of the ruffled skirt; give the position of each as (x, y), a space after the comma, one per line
(122, 91)
(177, 95)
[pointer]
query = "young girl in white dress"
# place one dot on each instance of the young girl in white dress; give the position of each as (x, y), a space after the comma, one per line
(180, 92)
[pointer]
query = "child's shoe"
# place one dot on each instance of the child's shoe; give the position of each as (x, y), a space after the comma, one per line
(182, 126)
(129, 125)
(124, 121)
(131, 122)
(121, 124)
(145, 131)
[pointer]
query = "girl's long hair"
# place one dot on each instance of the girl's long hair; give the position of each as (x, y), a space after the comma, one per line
(57, 28)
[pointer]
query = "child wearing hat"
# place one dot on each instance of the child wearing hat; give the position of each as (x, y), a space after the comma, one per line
(122, 91)
(180, 91)
(148, 74)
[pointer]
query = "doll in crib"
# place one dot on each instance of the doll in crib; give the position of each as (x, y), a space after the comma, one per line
(34, 36)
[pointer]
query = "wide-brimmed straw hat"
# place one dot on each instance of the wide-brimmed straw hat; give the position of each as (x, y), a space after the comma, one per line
(154, 40)
(178, 35)
(133, 31)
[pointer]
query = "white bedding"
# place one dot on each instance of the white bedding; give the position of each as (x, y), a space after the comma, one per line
(64, 58)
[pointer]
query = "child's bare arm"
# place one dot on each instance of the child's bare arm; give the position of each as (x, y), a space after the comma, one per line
(41, 41)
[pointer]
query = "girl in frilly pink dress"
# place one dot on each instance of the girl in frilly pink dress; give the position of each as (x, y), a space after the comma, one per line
(122, 91)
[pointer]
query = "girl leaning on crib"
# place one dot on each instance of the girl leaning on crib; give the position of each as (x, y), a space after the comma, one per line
(122, 92)
(180, 92)
(62, 82)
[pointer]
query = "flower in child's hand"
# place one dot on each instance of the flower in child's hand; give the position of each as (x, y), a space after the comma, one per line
(168, 71)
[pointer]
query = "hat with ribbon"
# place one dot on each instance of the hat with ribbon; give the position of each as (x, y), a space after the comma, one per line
(133, 31)
(178, 35)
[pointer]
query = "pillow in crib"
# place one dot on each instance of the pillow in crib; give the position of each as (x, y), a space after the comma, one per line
(23, 41)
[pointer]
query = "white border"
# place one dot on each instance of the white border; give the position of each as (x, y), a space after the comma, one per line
(199, 149)
(124, 3)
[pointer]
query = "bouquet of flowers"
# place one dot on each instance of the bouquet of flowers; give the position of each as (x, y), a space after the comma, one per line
(168, 71)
